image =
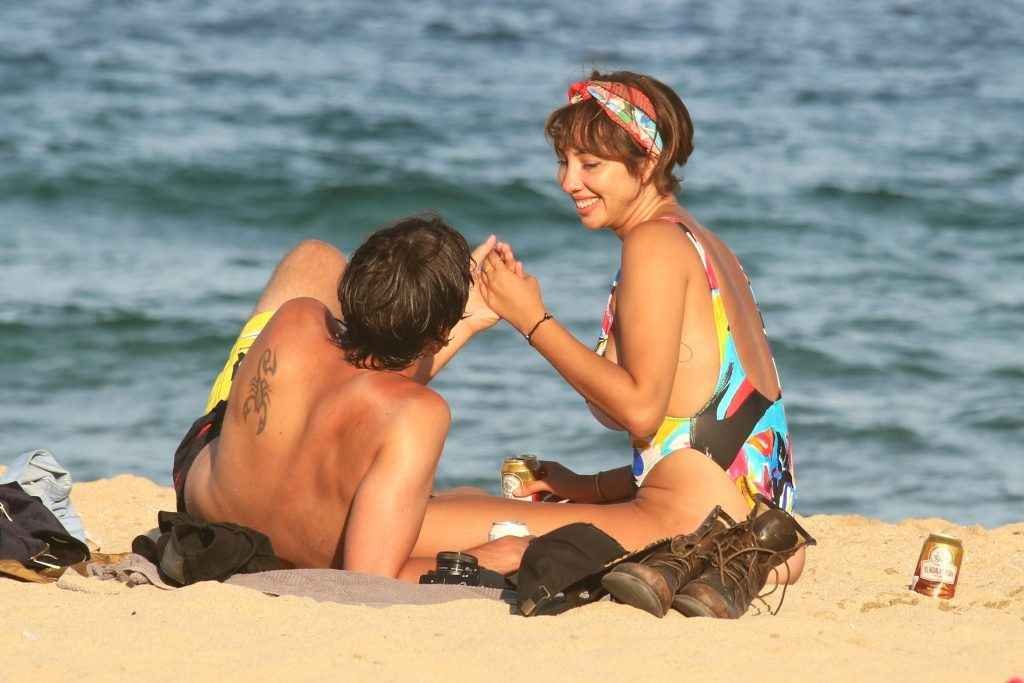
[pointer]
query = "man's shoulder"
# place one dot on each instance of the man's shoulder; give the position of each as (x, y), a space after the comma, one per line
(417, 423)
(404, 397)
(304, 310)
(300, 322)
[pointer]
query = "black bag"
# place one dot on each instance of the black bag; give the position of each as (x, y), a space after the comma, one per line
(562, 569)
(189, 550)
(32, 535)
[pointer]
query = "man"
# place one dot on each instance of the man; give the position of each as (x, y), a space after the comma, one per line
(322, 433)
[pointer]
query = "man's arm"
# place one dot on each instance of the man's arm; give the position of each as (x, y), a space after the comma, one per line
(388, 508)
(478, 316)
(463, 331)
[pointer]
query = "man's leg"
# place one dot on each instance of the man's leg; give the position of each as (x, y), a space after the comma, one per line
(312, 269)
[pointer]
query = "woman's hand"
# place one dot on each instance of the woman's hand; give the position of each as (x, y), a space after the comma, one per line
(560, 480)
(478, 315)
(511, 292)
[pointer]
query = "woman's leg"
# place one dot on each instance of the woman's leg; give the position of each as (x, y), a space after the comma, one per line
(675, 499)
(462, 522)
(682, 469)
(461, 491)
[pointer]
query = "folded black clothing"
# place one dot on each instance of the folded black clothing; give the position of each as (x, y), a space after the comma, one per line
(190, 550)
(562, 569)
(32, 535)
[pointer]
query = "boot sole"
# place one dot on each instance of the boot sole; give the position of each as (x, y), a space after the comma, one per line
(632, 591)
(690, 607)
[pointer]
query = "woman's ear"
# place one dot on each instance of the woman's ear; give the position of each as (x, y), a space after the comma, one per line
(647, 169)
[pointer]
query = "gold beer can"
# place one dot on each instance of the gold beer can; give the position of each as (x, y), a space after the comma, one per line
(516, 471)
(938, 566)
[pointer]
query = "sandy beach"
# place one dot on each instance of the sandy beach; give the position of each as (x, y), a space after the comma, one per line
(851, 617)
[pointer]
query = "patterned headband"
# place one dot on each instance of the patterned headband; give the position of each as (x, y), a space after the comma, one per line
(628, 107)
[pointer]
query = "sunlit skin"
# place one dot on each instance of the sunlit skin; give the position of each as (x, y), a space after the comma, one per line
(604, 193)
(657, 363)
(348, 454)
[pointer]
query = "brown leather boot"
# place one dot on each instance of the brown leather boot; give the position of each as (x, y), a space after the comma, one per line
(739, 562)
(650, 582)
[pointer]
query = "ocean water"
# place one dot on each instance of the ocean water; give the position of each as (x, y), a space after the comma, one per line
(864, 160)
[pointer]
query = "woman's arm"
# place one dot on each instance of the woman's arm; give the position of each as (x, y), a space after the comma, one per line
(607, 486)
(656, 263)
(605, 421)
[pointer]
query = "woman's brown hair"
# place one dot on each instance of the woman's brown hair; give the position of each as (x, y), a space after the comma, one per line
(585, 127)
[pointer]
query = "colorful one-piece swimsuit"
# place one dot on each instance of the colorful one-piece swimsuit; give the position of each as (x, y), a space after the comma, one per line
(739, 428)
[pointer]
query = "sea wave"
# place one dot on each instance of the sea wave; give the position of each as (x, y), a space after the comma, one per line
(251, 196)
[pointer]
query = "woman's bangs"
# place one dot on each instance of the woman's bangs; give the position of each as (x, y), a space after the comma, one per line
(586, 128)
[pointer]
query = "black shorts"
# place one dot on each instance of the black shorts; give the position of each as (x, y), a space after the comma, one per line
(203, 431)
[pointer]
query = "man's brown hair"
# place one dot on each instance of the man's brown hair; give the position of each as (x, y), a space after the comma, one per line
(585, 127)
(403, 290)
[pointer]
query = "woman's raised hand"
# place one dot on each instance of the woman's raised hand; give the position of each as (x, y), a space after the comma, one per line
(510, 291)
(478, 315)
(508, 257)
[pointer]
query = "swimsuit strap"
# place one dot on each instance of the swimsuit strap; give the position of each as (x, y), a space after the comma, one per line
(722, 325)
(709, 269)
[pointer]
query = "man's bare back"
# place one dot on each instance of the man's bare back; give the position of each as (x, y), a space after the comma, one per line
(309, 440)
(324, 436)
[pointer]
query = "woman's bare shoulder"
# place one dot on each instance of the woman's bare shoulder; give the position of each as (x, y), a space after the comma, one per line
(657, 242)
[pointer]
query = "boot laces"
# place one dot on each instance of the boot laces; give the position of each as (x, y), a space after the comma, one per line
(682, 552)
(682, 562)
(746, 565)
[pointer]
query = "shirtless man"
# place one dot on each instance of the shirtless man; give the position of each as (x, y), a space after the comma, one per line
(323, 435)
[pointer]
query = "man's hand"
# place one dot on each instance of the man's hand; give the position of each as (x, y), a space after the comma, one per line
(503, 555)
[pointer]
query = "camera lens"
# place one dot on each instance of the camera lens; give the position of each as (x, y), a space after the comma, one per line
(457, 563)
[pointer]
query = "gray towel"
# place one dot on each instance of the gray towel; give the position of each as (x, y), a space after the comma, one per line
(132, 569)
(336, 585)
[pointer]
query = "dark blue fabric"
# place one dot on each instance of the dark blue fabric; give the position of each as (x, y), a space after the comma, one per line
(29, 530)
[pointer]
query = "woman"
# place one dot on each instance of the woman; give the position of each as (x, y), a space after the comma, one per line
(682, 364)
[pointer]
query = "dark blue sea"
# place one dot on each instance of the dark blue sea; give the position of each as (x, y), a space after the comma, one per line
(865, 161)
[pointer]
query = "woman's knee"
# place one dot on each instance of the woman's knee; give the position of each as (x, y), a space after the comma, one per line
(789, 572)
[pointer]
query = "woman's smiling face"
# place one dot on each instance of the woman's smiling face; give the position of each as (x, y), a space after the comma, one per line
(602, 190)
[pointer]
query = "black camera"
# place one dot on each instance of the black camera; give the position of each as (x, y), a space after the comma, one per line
(454, 568)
